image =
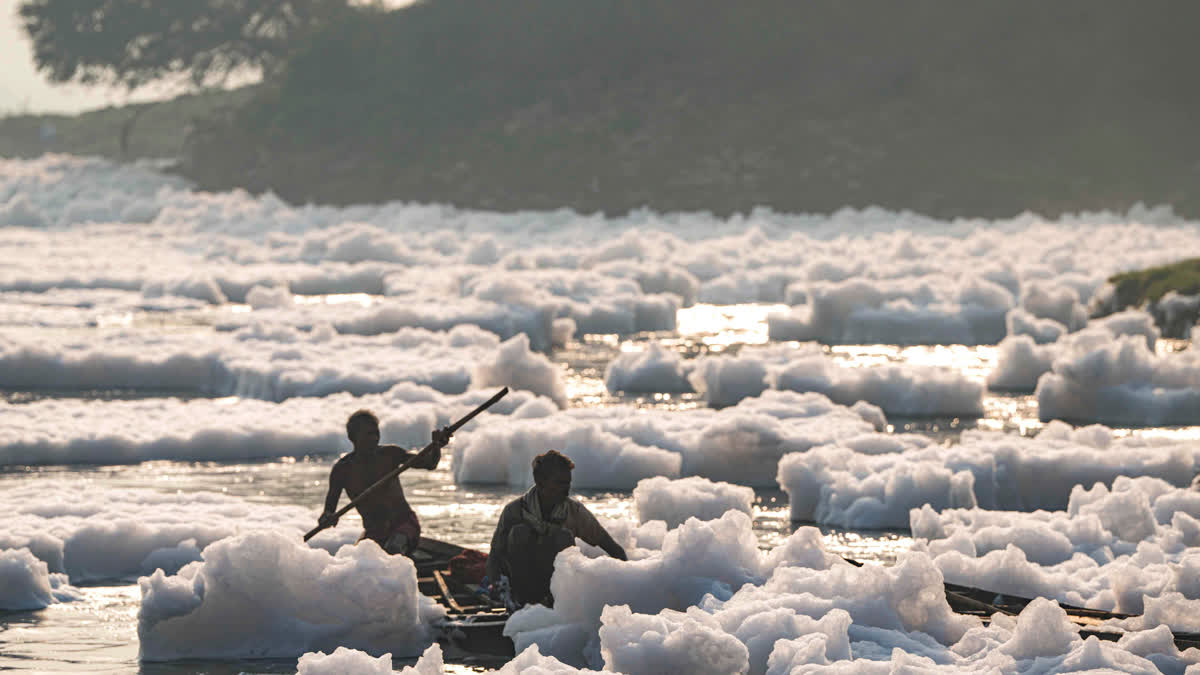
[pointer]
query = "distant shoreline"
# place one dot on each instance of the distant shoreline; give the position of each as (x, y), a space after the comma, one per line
(328, 175)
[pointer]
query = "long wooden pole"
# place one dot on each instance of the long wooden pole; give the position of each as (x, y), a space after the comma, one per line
(411, 460)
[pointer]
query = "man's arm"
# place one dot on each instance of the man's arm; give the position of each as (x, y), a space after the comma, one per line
(430, 459)
(401, 455)
(590, 530)
(328, 516)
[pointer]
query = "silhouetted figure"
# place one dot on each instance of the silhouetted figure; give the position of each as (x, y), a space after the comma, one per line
(535, 527)
(387, 518)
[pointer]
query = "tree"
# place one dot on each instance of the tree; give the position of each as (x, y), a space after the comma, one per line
(134, 42)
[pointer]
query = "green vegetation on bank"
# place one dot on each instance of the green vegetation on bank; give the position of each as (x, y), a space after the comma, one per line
(1133, 289)
(949, 109)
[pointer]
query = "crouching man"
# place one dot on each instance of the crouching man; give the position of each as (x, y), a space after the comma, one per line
(535, 527)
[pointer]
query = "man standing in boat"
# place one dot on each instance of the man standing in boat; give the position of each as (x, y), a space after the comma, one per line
(387, 518)
(536, 526)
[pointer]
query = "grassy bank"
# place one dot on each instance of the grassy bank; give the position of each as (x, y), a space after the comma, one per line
(1135, 288)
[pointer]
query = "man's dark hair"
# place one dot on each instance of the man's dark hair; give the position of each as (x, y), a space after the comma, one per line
(359, 417)
(552, 460)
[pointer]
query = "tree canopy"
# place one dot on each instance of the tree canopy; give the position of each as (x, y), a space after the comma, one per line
(133, 42)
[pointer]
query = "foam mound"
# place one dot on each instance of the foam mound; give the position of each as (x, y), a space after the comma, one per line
(344, 660)
(27, 583)
(616, 447)
(275, 362)
(674, 501)
(707, 600)
(66, 431)
(88, 532)
(1131, 549)
(265, 595)
(651, 371)
(1030, 352)
(904, 390)
(1122, 383)
(844, 486)
(924, 308)
(870, 480)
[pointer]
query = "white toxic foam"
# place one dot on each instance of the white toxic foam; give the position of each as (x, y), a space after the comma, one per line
(1023, 358)
(27, 583)
(1129, 549)
(840, 485)
(652, 370)
(344, 660)
(64, 431)
(264, 595)
(614, 448)
(674, 501)
(927, 308)
(896, 389)
(708, 600)
(1122, 383)
(514, 365)
(871, 480)
(89, 532)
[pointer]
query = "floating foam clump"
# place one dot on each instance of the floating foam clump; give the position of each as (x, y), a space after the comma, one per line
(870, 480)
(265, 595)
(707, 601)
(725, 380)
(650, 371)
(513, 365)
(897, 390)
(1059, 303)
(698, 558)
(262, 297)
(91, 533)
(921, 309)
(1021, 322)
(1129, 549)
(709, 584)
(837, 485)
(262, 360)
(1023, 359)
(344, 660)
(741, 444)
(27, 583)
(668, 642)
(674, 501)
(63, 431)
(503, 453)
(1122, 383)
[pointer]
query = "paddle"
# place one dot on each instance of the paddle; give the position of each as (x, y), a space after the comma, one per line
(954, 595)
(411, 460)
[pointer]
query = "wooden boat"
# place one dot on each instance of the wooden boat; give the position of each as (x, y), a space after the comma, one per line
(475, 626)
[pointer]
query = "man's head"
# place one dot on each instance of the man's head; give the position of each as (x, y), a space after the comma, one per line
(363, 430)
(552, 475)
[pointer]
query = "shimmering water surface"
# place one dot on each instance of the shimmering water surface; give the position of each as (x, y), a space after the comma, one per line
(100, 632)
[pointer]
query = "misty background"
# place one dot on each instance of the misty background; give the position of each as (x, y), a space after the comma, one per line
(949, 109)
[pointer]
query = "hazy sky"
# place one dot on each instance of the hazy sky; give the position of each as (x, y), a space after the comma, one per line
(24, 90)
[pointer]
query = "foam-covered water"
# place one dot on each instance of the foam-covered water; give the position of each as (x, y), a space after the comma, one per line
(176, 368)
